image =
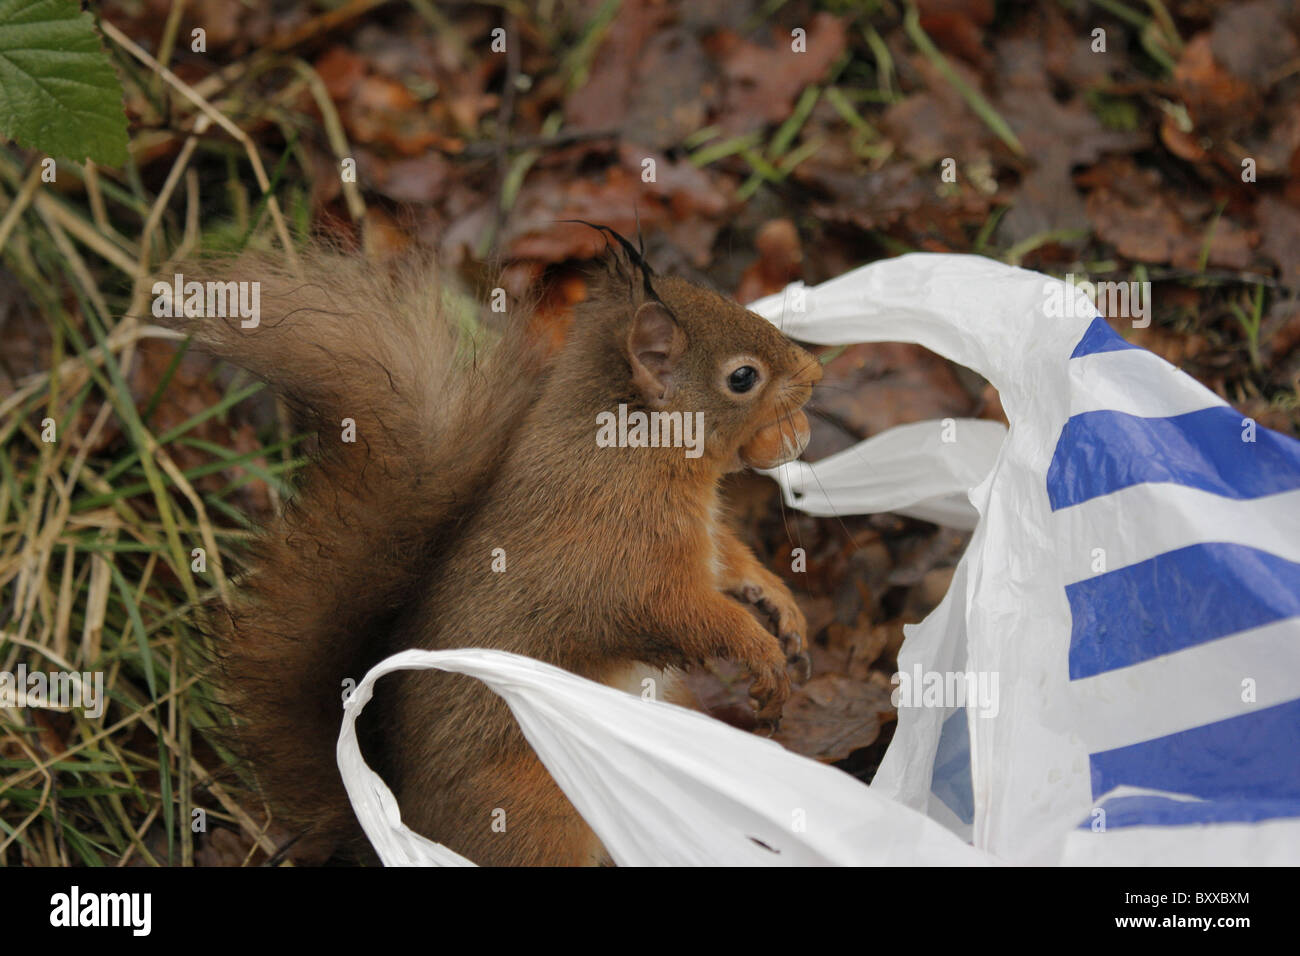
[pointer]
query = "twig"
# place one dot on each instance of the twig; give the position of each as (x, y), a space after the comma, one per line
(483, 149)
(20, 203)
(221, 120)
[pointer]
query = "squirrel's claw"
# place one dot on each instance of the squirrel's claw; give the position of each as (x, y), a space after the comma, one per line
(784, 620)
(769, 728)
(803, 664)
(771, 685)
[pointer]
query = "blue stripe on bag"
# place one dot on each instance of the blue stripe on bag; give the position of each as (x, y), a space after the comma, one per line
(1248, 757)
(1174, 601)
(1243, 769)
(1103, 451)
(1100, 337)
(951, 781)
(1153, 811)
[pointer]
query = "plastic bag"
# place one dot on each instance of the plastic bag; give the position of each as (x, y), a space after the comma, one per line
(660, 784)
(1131, 594)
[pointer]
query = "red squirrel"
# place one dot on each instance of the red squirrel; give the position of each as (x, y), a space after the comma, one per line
(477, 508)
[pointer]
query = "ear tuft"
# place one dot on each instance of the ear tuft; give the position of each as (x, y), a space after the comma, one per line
(655, 344)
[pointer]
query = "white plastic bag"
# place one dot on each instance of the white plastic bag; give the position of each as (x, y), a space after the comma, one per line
(660, 784)
(1132, 583)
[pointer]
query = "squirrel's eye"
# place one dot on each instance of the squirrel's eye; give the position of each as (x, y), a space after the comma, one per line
(743, 378)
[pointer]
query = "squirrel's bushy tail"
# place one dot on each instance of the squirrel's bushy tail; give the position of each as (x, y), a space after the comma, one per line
(433, 406)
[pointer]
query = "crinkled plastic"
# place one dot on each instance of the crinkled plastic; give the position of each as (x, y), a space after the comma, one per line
(1131, 590)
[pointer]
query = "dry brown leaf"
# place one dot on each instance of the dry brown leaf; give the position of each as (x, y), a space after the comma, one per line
(762, 82)
(1279, 227)
(831, 716)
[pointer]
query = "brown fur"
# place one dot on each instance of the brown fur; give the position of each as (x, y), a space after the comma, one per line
(616, 557)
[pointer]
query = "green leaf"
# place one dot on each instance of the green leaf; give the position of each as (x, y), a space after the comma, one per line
(58, 91)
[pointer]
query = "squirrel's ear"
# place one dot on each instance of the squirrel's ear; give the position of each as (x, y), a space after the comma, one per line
(655, 343)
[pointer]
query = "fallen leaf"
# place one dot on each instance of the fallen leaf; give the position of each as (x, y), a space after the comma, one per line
(957, 26)
(1279, 227)
(1213, 96)
(762, 82)
(1057, 137)
(1251, 39)
(937, 123)
(779, 262)
(831, 716)
(1149, 228)
(416, 179)
(341, 71)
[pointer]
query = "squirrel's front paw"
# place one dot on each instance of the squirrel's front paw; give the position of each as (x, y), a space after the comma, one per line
(771, 686)
(784, 619)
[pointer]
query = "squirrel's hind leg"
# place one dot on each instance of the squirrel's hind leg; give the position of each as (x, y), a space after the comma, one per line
(512, 813)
